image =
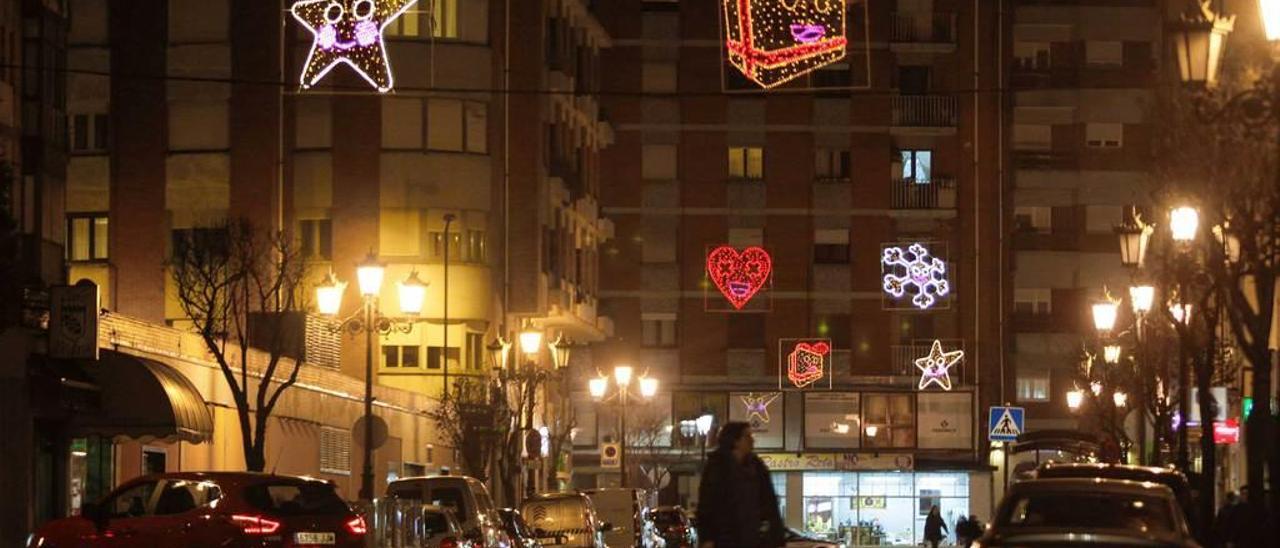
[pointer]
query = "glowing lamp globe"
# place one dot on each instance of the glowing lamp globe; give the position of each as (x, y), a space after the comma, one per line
(1269, 12)
(704, 424)
(1183, 223)
(369, 275)
(622, 375)
(648, 387)
(1111, 353)
(530, 341)
(872, 430)
(597, 387)
(1120, 399)
(413, 292)
(1142, 297)
(329, 295)
(1104, 316)
(1075, 398)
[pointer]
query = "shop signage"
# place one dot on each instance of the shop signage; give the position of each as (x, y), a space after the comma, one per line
(609, 456)
(874, 461)
(832, 420)
(784, 462)
(804, 364)
(870, 503)
(1227, 432)
(944, 420)
(73, 321)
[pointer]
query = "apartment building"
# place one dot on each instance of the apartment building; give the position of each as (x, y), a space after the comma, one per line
(1082, 78)
(884, 148)
(182, 113)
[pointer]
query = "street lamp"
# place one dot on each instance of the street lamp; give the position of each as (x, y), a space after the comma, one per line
(1184, 221)
(1075, 397)
(1199, 38)
(1104, 316)
(1269, 11)
(1111, 353)
(1142, 297)
(369, 319)
(1181, 313)
(1133, 235)
(1119, 398)
(622, 377)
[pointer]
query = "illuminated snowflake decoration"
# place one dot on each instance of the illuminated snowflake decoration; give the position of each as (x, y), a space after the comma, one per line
(914, 268)
(936, 367)
(350, 32)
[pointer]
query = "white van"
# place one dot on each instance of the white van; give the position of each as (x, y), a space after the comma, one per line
(627, 511)
(467, 497)
(564, 519)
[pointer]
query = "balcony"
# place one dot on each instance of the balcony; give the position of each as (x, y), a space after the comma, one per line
(923, 32)
(924, 111)
(935, 193)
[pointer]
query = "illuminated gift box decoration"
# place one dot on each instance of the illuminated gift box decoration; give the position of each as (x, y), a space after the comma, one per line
(773, 41)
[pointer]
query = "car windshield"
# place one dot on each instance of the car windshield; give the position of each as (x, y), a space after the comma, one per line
(296, 499)
(1090, 510)
(667, 518)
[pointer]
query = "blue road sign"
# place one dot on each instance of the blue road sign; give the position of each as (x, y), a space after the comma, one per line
(1005, 423)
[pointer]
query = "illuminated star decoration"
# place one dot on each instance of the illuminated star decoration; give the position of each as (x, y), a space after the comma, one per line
(758, 407)
(774, 41)
(348, 31)
(936, 367)
(927, 274)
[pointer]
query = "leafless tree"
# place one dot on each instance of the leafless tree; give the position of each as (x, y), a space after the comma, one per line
(230, 276)
(475, 421)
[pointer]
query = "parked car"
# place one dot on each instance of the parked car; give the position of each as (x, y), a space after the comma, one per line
(1168, 477)
(519, 531)
(565, 519)
(627, 510)
(467, 497)
(674, 526)
(195, 509)
(796, 539)
(1082, 512)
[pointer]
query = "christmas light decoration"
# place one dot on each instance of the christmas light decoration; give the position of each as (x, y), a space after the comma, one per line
(758, 407)
(739, 275)
(348, 31)
(774, 41)
(936, 367)
(807, 361)
(914, 267)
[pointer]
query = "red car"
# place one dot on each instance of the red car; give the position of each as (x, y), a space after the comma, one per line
(198, 509)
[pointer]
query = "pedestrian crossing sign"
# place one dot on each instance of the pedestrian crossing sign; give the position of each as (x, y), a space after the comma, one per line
(1005, 423)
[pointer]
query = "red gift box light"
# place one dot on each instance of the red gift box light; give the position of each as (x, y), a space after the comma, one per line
(774, 41)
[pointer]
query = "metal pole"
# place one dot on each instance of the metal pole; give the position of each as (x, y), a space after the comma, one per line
(448, 219)
(366, 476)
(622, 445)
(1007, 446)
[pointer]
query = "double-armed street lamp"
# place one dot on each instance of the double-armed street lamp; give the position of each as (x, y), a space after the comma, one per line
(370, 320)
(699, 427)
(527, 375)
(622, 377)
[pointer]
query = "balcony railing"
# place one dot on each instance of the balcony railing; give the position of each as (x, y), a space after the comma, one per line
(935, 28)
(935, 193)
(924, 111)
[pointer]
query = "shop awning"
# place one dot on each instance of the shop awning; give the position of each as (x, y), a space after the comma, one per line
(143, 399)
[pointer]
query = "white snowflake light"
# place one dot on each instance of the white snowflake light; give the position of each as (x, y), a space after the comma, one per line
(914, 267)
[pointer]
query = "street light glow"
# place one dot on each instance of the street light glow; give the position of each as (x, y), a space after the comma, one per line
(1120, 398)
(704, 424)
(622, 374)
(597, 387)
(1104, 315)
(648, 387)
(1111, 353)
(872, 430)
(530, 341)
(1142, 297)
(1075, 398)
(329, 295)
(1269, 12)
(412, 294)
(369, 275)
(1181, 313)
(1183, 223)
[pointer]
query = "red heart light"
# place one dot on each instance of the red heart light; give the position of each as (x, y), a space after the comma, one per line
(739, 275)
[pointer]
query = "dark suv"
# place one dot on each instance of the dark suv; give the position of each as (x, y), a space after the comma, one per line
(1168, 477)
(196, 509)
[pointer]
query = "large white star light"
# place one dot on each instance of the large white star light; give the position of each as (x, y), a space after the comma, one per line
(936, 367)
(350, 32)
(914, 267)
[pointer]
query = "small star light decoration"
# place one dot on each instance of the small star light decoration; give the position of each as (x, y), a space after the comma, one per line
(914, 267)
(936, 367)
(758, 407)
(348, 31)
(774, 41)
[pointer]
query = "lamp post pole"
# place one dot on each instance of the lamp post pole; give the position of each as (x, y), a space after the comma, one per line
(448, 219)
(366, 474)
(622, 436)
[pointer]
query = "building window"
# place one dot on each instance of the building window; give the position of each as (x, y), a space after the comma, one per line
(1033, 385)
(1098, 135)
(88, 132)
(1031, 55)
(894, 419)
(1104, 53)
(658, 162)
(917, 165)
(316, 238)
(746, 163)
(1032, 218)
(455, 247)
(831, 246)
(444, 18)
(1035, 301)
(475, 351)
(659, 330)
(831, 165)
(435, 359)
(834, 75)
(335, 451)
(409, 24)
(87, 237)
(399, 356)
(457, 126)
(475, 246)
(746, 237)
(206, 241)
(658, 77)
(1037, 137)
(746, 331)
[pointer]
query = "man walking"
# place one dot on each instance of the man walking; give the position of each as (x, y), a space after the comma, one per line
(737, 507)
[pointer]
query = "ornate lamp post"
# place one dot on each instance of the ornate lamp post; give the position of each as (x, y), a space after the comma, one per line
(369, 320)
(622, 377)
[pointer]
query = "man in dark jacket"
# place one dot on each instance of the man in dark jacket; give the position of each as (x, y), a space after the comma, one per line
(737, 507)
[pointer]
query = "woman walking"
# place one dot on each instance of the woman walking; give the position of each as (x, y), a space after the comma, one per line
(737, 506)
(934, 526)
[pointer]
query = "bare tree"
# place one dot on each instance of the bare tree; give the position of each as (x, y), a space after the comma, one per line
(229, 275)
(475, 419)
(651, 442)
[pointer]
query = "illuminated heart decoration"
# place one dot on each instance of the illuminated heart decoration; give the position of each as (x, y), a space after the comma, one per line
(805, 363)
(739, 275)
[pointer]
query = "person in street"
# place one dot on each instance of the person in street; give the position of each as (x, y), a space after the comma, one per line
(968, 530)
(934, 526)
(962, 527)
(1227, 526)
(737, 506)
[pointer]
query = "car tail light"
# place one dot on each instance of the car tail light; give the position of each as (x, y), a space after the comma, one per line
(449, 542)
(255, 525)
(357, 526)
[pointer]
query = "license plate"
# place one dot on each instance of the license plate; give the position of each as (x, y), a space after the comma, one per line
(314, 538)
